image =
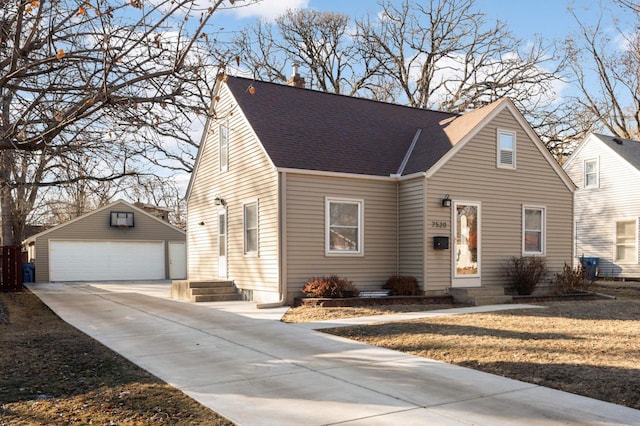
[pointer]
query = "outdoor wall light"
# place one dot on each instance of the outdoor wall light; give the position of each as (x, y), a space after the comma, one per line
(201, 223)
(220, 201)
(446, 201)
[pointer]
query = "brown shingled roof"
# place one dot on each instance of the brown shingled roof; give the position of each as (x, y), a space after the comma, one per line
(436, 141)
(311, 130)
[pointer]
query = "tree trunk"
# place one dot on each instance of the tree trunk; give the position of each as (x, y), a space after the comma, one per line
(6, 206)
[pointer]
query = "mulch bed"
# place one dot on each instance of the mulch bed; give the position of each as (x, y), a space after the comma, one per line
(325, 302)
(372, 301)
(555, 297)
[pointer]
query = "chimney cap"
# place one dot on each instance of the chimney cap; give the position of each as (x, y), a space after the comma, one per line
(295, 80)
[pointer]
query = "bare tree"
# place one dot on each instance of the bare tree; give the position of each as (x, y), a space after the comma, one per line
(439, 54)
(320, 42)
(634, 6)
(158, 191)
(107, 80)
(606, 68)
(443, 55)
(74, 196)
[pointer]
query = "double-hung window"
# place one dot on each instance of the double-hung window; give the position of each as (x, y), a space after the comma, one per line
(591, 174)
(533, 230)
(506, 149)
(224, 147)
(343, 233)
(626, 238)
(251, 228)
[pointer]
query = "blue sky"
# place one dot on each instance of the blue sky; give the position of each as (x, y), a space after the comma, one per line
(524, 18)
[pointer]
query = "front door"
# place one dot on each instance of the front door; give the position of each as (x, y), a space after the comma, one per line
(222, 243)
(466, 244)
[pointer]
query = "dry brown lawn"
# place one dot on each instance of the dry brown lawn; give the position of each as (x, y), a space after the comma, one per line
(590, 348)
(52, 374)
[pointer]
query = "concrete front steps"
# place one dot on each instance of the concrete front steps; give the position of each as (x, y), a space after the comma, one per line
(204, 291)
(479, 296)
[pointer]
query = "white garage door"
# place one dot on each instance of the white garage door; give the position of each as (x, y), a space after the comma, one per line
(105, 260)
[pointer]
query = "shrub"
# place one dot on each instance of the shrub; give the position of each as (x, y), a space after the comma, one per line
(402, 286)
(331, 286)
(572, 280)
(525, 273)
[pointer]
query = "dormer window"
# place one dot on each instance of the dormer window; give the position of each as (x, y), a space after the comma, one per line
(591, 178)
(506, 149)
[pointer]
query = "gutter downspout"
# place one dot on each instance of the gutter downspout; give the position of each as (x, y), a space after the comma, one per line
(397, 227)
(282, 246)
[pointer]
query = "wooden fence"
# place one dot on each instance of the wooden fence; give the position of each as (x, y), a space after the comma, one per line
(10, 268)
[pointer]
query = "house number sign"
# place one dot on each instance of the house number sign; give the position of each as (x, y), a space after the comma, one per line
(440, 225)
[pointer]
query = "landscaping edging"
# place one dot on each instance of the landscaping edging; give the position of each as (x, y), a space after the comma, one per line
(554, 297)
(326, 302)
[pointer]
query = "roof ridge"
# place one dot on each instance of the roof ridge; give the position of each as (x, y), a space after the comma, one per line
(254, 80)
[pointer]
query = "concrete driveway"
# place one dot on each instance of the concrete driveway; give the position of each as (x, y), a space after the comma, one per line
(255, 370)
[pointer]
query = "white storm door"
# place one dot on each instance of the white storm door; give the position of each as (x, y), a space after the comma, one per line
(222, 243)
(466, 244)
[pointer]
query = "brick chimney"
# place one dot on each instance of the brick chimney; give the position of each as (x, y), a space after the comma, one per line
(295, 80)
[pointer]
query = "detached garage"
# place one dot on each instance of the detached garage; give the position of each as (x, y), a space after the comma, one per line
(116, 242)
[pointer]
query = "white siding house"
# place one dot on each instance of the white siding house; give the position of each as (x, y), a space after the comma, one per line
(606, 170)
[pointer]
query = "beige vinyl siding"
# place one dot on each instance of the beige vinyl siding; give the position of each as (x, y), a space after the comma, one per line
(597, 209)
(411, 228)
(250, 177)
(96, 227)
(472, 176)
(305, 231)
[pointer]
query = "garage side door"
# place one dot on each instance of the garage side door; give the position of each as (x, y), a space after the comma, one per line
(177, 260)
(105, 260)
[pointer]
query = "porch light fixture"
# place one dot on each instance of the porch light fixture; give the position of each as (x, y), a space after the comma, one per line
(219, 201)
(446, 201)
(201, 223)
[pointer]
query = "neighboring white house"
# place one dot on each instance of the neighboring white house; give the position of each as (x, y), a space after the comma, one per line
(606, 170)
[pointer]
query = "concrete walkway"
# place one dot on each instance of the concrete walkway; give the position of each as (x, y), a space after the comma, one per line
(255, 370)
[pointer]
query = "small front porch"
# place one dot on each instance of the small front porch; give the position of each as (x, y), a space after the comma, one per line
(479, 296)
(204, 291)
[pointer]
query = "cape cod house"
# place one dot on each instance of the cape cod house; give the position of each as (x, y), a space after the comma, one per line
(291, 184)
(606, 170)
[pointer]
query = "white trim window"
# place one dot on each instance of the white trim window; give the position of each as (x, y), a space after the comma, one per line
(343, 230)
(533, 230)
(223, 147)
(626, 249)
(591, 176)
(250, 227)
(506, 148)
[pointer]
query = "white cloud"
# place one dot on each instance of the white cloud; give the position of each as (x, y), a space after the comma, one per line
(265, 9)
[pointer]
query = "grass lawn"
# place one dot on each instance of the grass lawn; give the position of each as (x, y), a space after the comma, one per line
(52, 374)
(590, 348)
